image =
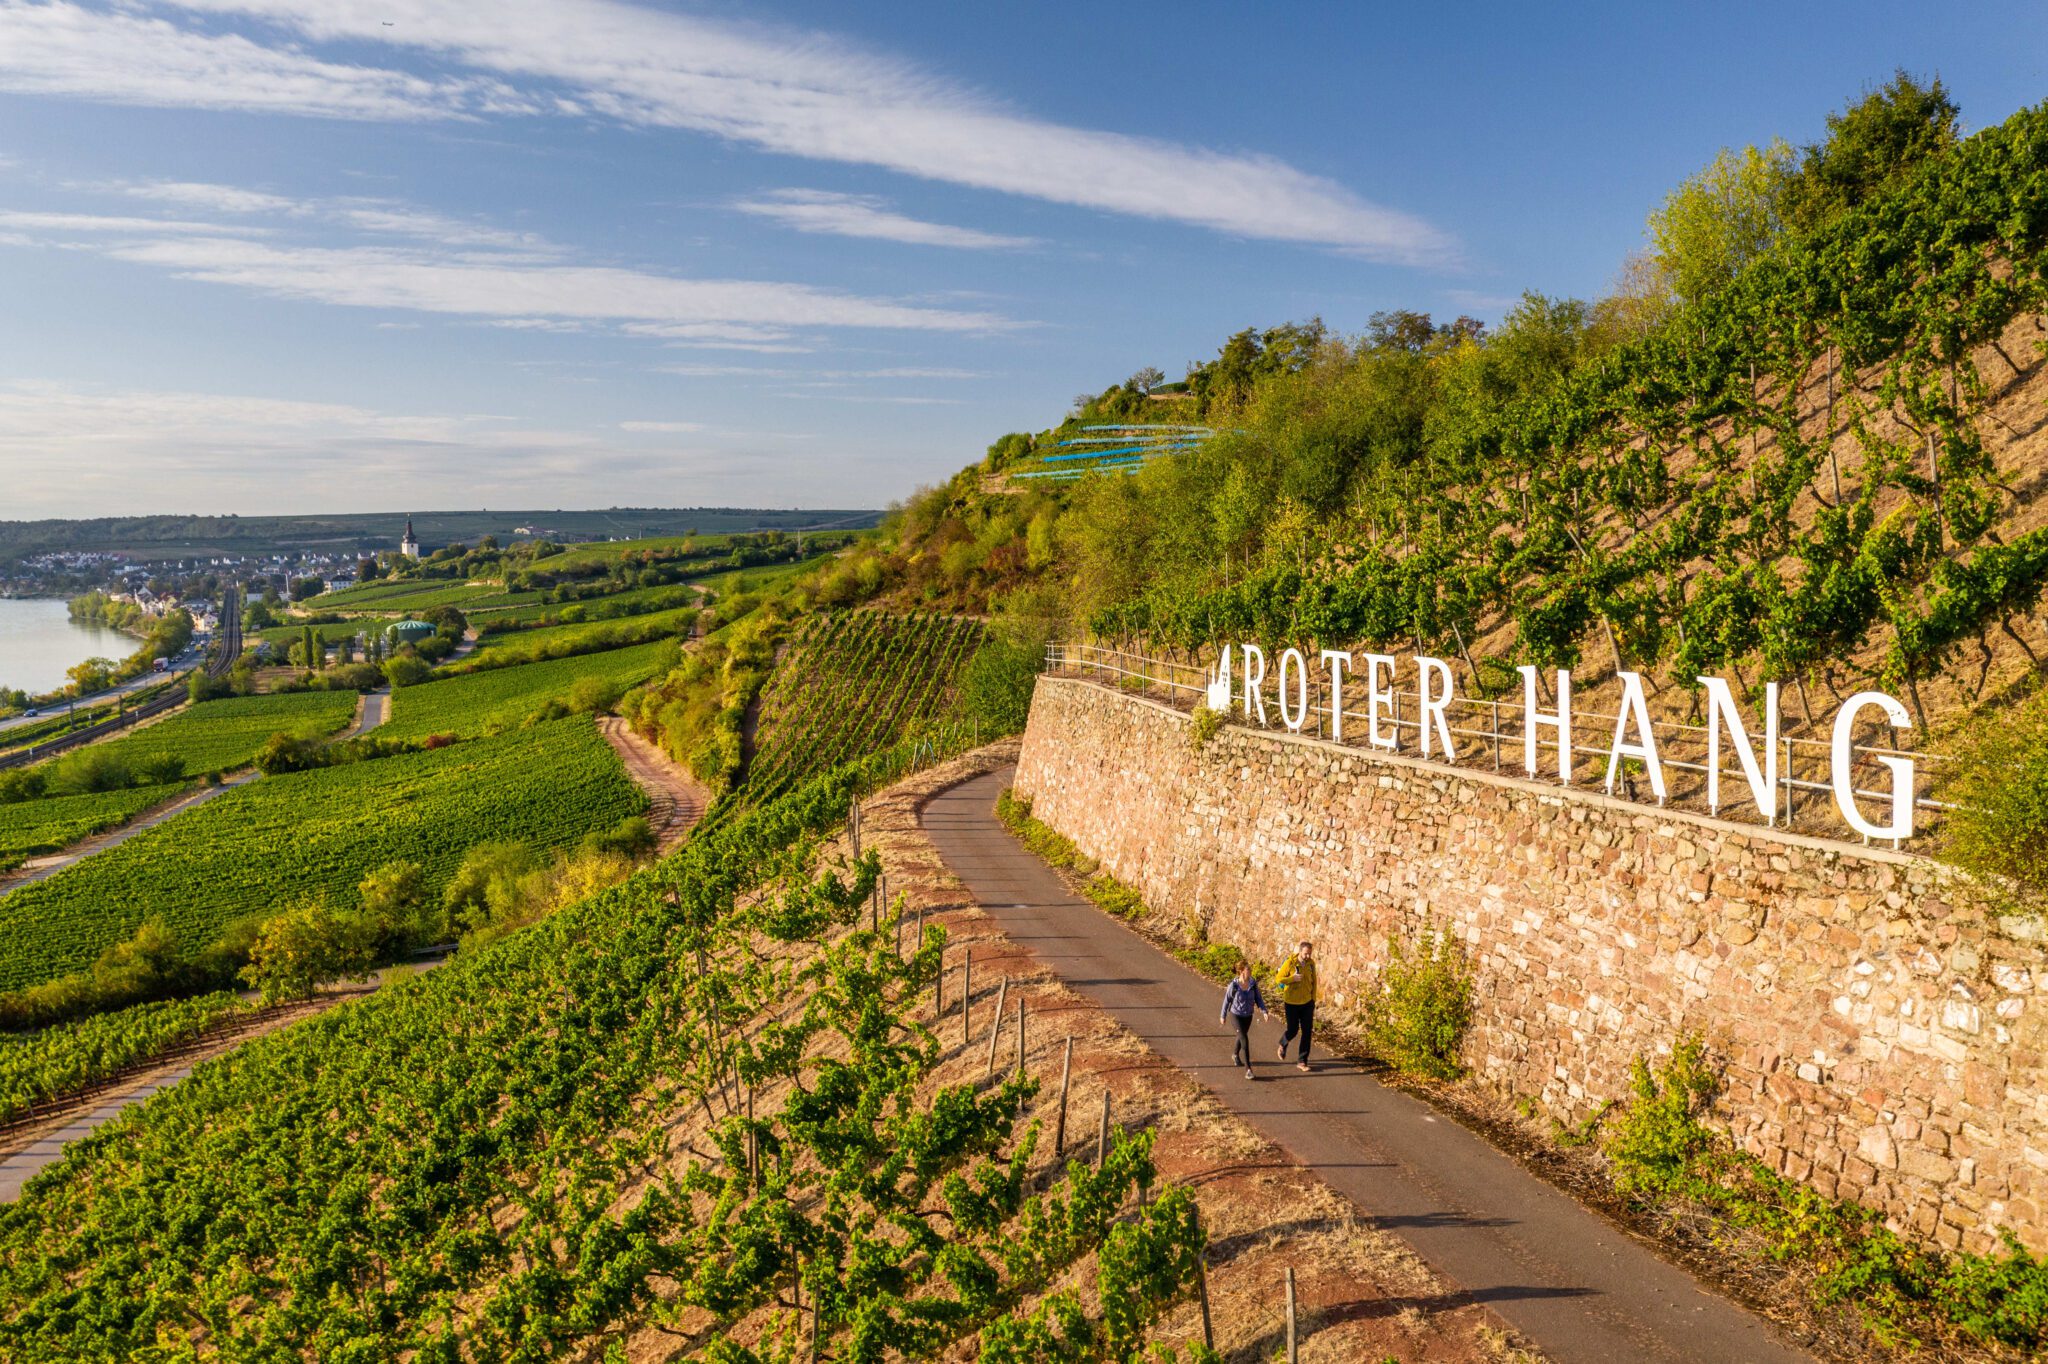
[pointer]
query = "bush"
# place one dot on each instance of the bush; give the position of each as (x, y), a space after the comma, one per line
(1417, 1018)
(1998, 831)
(302, 947)
(630, 837)
(1659, 1135)
(1207, 724)
(407, 670)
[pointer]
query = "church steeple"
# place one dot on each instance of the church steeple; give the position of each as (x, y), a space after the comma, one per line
(410, 545)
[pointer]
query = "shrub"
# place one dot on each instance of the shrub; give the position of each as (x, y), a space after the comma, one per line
(1659, 1135)
(302, 947)
(1998, 831)
(1207, 724)
(1417, 1018)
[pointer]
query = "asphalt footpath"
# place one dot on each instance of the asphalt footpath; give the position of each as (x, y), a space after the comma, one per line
(1581, 1290)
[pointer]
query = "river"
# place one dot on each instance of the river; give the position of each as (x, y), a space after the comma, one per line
(39, 641)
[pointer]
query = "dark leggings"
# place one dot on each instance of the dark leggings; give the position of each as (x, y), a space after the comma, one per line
(1302, 1018)
(1242, 1052)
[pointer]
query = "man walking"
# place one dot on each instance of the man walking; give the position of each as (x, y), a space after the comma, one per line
(1299, 991)
(1240, 998)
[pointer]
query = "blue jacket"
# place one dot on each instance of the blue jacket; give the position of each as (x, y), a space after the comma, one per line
(1241, 1000)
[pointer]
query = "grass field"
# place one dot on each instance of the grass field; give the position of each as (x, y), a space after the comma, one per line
(280, 840)
(218, 736)
(503, 698)
(30, 828)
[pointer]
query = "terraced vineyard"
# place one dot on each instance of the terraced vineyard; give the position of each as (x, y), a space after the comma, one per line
(40, 1066)
(219, 736)
(414, 594)
(539, 1151)
(30, 828)
(562, 641)
(280, 840)
(851, 684)
(505, 698)
(632, 602)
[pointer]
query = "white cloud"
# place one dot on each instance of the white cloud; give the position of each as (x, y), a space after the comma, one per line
(802, 95)
(861, 215)
(509, 290)
(661, 428)
(22, 221)
(218, 198)
(126, 58)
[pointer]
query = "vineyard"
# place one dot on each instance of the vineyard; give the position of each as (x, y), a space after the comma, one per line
(852, 683)
(413, 595)
(501, 649)
(677, 1106)
(283, 840)
(1805, 476)
(505, 698)
(40, 1066)
(30, 828)
(636, 601)
(219, 736)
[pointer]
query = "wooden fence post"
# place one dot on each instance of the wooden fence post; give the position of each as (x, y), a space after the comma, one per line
(1020, 1037)
(966, 997)
(995, 1029)
(1059, 1129)
(1102, 1131)
(1202, 1284)
(1293, 1349)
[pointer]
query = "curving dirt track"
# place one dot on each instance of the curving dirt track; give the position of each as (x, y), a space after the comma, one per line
(675, 801)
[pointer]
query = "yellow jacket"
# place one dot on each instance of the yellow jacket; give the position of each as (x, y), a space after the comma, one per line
(1297, 981)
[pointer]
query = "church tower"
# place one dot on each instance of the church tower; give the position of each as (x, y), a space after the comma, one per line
(410, 545)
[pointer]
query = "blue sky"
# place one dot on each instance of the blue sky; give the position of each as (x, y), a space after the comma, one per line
(304, 255)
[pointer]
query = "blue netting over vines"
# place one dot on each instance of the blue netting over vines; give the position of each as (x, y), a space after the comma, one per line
(1115, 449)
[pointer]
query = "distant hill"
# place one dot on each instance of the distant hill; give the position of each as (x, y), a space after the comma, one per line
(170, 537)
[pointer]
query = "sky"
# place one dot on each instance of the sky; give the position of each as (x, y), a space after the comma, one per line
(271, 256)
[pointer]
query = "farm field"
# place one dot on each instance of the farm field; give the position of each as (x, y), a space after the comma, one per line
(30, 828)
(413, 594)
(504, 698)
(40, 1066)
(495, 650)
(218, 736)
(283, 839)
(851, 684)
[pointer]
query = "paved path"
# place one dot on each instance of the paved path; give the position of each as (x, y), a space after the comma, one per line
(1575, 1285)
(42, 868)
(374, 710)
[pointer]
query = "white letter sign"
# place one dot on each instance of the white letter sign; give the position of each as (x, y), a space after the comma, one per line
(1763, 783)
(1561, 722)
(1634, 708)
(1300, 715)
(1339, 660)
(1435, 703)
(1843, 763)
(1379, 698)
(1253, 682)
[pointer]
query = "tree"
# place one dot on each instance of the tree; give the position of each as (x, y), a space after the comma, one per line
(302, 588)
(302, 947)
(1870, 144)
(1721, 219)
(368, 570)
(407, 669)
(1147, 379)
(396, 907)
(95, 674)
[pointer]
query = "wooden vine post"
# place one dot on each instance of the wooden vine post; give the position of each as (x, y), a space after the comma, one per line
(1102, 1132)
(1020, 1037)
(1059, 1127)
(966, 996)
(1202, 1280)
(1293, 1348)
(995, 1029)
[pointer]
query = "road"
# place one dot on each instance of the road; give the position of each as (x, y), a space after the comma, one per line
(1580, 1289)
(179, 666)
(42, 868)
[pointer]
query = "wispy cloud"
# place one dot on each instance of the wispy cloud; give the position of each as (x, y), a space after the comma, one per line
(805, 95)
(661, 428)
(507, 279)
(862, 215)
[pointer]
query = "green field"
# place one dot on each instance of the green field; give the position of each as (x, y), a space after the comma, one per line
(40, 1066)
(63, 720)
(30, 828)
(613, 606)
(273, 843)
(503, 698)
(415, 594)
(218, 736)
(560, 641)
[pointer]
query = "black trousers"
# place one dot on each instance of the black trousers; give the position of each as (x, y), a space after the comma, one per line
(1241, 1053)
(1302, 1018)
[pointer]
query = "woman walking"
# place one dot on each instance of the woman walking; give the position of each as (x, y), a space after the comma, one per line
(1299, 991)
(1240, 998)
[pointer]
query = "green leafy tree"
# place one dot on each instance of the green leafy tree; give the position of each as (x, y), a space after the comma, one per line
(1870, 144)
(1723, 218)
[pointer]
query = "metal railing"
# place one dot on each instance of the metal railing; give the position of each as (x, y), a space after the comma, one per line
(1489, 733)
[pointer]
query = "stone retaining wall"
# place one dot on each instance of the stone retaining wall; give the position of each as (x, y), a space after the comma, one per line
(1884, 1039)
